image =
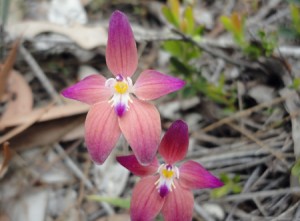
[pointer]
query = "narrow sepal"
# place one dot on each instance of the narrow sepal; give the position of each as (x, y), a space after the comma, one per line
(121, 52)
(131, 163)
(195, 176)
(152, 84)
(90, 90)
(174, 144)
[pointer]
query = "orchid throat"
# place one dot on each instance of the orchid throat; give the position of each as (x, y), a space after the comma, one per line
(121, 88)
(165, 183)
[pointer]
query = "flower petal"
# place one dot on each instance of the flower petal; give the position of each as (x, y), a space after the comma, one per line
(174, 144)
(153, 84)
(178, 205)
(141, 127)
(121, 52)
(101, 131)
(194, 176)
(90, 90)
(145, 202)
(131, 163)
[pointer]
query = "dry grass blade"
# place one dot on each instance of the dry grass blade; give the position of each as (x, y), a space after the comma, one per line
(261, 194)
(54, 113)
(7, 66)
(247, 112)
(258, 142)
(7, 156)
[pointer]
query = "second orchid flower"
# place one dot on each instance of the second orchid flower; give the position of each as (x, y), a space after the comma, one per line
(166, 187)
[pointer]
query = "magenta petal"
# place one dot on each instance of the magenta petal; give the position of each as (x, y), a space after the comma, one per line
(131, 163)
(194, 176)
(153, 84)
(90, 90)
(145, 202)
(101, 131)
(178, 205)
(174, 145)
(141, 127)
(121, 53)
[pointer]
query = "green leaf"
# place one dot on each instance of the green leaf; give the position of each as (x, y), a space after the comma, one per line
(119, 202)
(224, 177)
(219, 192)
(175, 9)
(226, 21)
(180, 67)
(235, 25)
(173, 47)
(236, 178)
(296, 84)
(169, 16)
(188, 91)
(236, 189)
(189, 17)
(295, 15)
(191, 51)
(296, 169)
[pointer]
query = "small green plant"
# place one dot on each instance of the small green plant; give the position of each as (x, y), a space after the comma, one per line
(235, 24)
(114, 201)
(263, 46)
(296, 169)
(231, 185)
(292, 30)
(185, 55)
(295, 84)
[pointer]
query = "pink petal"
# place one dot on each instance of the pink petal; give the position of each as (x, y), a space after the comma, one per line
(141, 127)
(178, 205)
(101, 131)
(194, 176)
(131, 163)
(174, 145)
(145, 202)
(121, 52)
(90, 90)
(153, 84)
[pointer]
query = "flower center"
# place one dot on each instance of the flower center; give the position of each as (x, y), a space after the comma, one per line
(165, 183)
(168, 174)
(121, 88)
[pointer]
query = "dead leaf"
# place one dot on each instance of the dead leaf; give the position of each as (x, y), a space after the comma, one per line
(7, 66)
(21, 98)
(7, 157)
(86, 37)
(56, 112)
(46, 133)
(30, 121)
(4, 217)
(75, 133)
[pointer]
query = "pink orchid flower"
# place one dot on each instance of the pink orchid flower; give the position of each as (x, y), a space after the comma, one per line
(165, 187)
(118, 105)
